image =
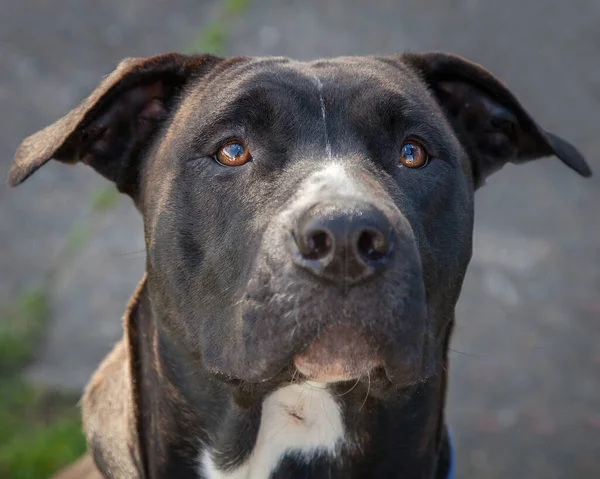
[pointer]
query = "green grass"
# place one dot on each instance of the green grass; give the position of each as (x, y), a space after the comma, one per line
(235, 7)
(40, 430)
(213, 38)
(21, 328)
(104, 198)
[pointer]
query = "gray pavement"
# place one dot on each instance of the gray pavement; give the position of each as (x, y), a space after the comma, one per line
(525, 385)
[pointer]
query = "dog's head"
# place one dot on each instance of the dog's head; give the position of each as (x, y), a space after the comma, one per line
(313, 217)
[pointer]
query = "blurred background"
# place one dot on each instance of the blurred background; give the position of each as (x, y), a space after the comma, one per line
(525, 381)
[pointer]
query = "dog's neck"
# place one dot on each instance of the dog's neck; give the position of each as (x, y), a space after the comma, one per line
(193, 425)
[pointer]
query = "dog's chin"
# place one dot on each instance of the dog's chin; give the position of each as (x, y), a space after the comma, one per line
(341, 353)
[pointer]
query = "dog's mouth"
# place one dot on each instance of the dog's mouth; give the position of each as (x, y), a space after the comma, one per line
(341, 353)
(289, 323)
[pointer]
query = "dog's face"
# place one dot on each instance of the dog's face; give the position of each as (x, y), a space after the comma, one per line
(282, 208)
(302, 217)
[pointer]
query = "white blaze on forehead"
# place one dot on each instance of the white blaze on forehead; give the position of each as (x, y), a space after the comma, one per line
(324, 117)
(302, 419)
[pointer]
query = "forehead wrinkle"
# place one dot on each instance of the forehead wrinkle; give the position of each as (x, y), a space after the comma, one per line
(414, 115)
(258, 100)
(227, 117)
(249, 106)
(231, 80)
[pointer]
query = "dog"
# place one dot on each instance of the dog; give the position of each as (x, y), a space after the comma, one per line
(308, 226)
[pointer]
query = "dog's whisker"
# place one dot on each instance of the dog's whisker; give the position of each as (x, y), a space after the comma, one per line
(368, 391)
(351, 389)
(297, 310)
(295, 375)
(302, 390)
(310, 386)
(464, 353)
(129, 253)
(283, 428)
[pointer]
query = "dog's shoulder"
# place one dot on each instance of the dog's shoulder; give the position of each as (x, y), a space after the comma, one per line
(107, 415)
(107, 394)
(109, 407)
(83, 468)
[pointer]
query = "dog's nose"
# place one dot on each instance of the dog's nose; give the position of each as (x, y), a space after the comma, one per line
(343, 244)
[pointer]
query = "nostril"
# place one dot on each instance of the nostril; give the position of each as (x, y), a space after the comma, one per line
(373, 245)
(314, 244)
(319, 244)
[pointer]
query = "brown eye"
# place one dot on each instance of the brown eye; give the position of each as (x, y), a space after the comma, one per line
(413, 154)
(233, 153)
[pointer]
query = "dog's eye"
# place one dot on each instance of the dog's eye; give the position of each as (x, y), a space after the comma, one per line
(234, 153)
(413, 154)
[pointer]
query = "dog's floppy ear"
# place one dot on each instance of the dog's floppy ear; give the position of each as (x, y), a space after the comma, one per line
(490, 122)
(110, 129)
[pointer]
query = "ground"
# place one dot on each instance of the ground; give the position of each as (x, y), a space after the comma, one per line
(525, 390)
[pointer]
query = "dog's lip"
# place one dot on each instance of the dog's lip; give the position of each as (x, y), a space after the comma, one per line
(341, 353)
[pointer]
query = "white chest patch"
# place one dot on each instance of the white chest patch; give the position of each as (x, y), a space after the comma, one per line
(301, 418)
